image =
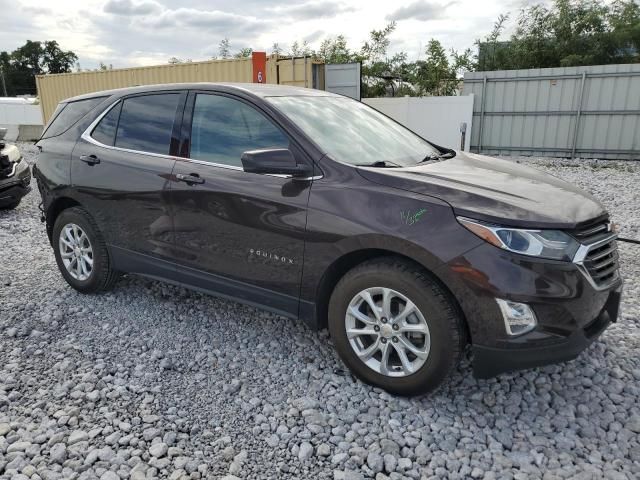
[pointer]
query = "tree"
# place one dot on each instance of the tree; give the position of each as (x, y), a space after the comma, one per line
(491, 50)
(33, 58)
(56, 60)
(376, 48)
(224, 49)
(244, 53)
(335, 50)
(377, 70)
(275, 49)
(566, 33)
(301, 49)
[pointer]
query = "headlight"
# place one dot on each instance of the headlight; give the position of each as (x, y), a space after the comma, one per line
(552, 244)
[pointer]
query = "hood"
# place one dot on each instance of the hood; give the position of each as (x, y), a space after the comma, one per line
(495, 190)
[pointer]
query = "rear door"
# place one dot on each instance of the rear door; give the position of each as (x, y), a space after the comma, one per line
(240, 234)
(121, 169)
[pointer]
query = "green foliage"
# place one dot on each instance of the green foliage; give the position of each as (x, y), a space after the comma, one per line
(567, 33)
(335, 50)
(20, 67)
(301, 49)
(383, 74)
(244, 53)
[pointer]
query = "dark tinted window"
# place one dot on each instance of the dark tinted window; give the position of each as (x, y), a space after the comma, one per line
(146, 123)
(105, 131)
(224, 128)
(70, 114)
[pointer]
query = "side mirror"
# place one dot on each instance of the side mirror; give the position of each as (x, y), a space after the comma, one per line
(276, 161)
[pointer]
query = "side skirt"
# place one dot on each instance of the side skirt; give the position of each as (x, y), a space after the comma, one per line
(137, 263)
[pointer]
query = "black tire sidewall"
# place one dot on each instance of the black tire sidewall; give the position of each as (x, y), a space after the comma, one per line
(438, 314)
(80, 218)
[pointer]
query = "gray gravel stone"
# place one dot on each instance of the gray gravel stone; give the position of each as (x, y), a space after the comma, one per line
(306, 451)
(58, 453)
(375, 462)
(158, 450)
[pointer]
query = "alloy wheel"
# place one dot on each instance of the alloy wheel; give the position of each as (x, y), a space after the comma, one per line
(76, 251)
(387, 332)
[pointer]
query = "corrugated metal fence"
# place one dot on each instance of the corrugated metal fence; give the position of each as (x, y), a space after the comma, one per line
(290, 71)
(591, 112)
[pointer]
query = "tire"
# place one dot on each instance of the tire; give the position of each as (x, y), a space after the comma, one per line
(100, 276)
(11, 206)
(400, 281)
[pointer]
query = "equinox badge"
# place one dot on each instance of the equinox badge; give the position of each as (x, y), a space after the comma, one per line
(271, 256)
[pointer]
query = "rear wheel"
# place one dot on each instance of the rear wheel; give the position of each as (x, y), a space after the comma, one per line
(81, 253)
(395, 327)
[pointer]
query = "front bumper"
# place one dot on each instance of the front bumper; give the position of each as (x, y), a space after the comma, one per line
(491, 361)
(570, 312)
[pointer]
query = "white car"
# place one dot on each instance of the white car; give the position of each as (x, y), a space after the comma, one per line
(15, 175)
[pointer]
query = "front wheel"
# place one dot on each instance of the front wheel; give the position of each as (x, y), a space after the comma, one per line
(81, 253)
(395, 327)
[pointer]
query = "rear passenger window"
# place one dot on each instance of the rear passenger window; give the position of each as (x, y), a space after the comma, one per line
(69, 114)
(105, 131)
(223, 129)
(146, 123)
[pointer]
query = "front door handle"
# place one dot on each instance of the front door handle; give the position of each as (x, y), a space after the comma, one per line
(190, 179)
(89, 159)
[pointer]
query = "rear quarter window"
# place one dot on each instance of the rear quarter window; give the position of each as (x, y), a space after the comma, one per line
(105, 131)
(69, 114)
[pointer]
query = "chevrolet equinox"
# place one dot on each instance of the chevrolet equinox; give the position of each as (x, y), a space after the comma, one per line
(315, 206)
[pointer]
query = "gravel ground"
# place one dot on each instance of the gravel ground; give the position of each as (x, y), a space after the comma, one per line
(155, 381)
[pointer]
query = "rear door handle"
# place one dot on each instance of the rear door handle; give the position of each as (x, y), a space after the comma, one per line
(190, 179)
(89, 159)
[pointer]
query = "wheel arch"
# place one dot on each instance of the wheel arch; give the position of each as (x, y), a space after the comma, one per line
(350, 260)
(55, 209)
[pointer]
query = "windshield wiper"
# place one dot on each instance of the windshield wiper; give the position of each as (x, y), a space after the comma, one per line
(380, 163)
(434, 157)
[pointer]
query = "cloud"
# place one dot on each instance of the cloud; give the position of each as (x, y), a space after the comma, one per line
(136, 32)
(421, 10)
(128, 7)
(314, 36)
(36, 10)
(314, 10)
(205, 19)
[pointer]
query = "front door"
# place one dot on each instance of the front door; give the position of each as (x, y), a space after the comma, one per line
(238, 233)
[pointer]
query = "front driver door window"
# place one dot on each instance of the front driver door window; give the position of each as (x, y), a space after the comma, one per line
(239, 233)
(224, 128)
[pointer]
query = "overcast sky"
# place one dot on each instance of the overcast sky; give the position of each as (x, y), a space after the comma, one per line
(147, 32)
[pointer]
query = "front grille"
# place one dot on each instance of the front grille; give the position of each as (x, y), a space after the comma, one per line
(601, 251)
(592, 231)
(602, 263)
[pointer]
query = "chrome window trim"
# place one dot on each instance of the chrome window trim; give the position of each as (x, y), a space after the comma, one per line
(86, 135)
(581, 255)
(240, 169)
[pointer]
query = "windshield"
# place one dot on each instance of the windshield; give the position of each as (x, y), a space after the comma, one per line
(351, 132)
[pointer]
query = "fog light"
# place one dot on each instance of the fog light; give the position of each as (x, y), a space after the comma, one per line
(518, 317)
